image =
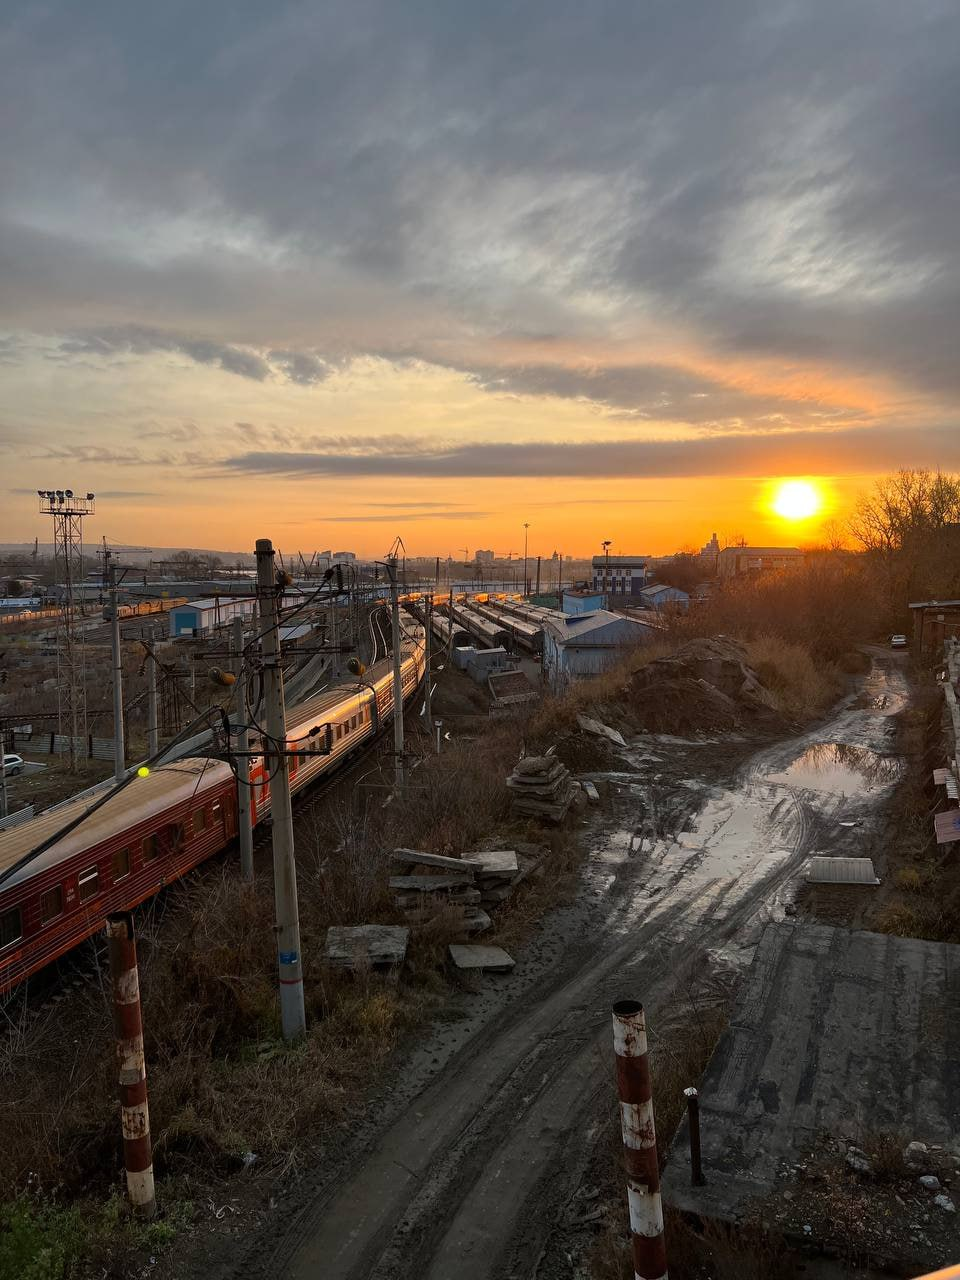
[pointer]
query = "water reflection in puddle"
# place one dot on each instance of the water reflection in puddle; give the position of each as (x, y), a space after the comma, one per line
(840, 769)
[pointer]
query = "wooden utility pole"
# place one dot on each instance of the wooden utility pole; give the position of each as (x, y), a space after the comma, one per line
(289, 960)
(244, 795)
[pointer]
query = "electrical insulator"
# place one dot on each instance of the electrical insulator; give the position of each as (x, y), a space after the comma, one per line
(356, 667)
(225, 678)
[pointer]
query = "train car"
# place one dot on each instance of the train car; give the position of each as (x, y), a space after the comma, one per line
(64, 871)
(482, 629)
(525, 635)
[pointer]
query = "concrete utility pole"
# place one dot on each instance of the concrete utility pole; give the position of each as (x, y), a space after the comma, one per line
(428, 688)
(119, 752)
(153, 732)
(4, 806)
(537, 592)
(397, 674)
(639, 1140)
(244, 796)
(525, 591)
(292, 1014)
(128, 1023)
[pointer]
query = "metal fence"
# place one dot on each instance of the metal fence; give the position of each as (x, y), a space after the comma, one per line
(14, 819)
(58, 744)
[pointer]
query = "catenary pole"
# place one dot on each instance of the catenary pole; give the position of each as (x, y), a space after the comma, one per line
(153, 732)
(289, 960)
(244, 795)
(397, 674)
(119, 751)
(428, 687)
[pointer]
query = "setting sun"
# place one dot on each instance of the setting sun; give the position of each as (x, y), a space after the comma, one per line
(796, 500)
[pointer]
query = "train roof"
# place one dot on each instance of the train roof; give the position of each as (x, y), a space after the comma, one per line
(165, 786)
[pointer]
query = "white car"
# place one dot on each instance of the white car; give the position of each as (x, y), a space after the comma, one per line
(898, 642)
(12, 765)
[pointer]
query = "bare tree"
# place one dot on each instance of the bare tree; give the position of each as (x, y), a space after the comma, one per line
(907, 506)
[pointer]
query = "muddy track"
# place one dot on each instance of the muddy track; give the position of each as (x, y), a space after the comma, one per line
(467, 1179)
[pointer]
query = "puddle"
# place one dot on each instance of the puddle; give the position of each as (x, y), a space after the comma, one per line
(840, 769)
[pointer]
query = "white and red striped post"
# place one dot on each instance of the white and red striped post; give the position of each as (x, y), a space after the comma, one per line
(639, 1141)
(135, 1118)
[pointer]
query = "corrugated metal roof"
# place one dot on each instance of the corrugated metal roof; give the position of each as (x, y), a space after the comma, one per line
(295, 633)
(224, 602)
(826, 870)
(575, 626)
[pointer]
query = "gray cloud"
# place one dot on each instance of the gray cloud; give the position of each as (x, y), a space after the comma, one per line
(408, 515)
(787, 452)
(764, 177)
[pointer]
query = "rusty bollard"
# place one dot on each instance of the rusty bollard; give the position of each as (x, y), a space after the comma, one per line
(135, 1118)
(639, 1141)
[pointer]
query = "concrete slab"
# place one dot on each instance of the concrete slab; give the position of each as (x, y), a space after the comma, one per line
(430, 884)
(471, 956)
(366, 945)
(494, 862)
(834, 1032)
(414, 858)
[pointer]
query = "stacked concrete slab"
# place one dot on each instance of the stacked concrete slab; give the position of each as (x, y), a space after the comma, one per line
(541, 788)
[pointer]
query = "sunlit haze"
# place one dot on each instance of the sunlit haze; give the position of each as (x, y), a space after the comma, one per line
(335, 273)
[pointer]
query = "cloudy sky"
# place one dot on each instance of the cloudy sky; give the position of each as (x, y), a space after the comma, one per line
(334, 271)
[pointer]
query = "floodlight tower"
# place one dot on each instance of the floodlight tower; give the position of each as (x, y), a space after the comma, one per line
(68, 509)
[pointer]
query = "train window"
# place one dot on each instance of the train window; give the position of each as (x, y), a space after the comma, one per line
(216, 809)
(121, 863)
(11, 927)
(174, 837)
(88, 883)
(199, 821)
(51, 903)
(151, 848)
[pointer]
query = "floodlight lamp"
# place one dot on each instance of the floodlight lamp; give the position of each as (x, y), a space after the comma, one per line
(59, 493)
(68, 492)
(90, 497)
(41, 493)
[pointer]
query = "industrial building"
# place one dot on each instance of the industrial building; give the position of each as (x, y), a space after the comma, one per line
(662, 596)
(619, 575)
(201, 617)
(580, 601)
(581, 645)
(733, 562)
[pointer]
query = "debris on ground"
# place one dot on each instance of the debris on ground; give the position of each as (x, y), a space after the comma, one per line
(415, 858)
(706, 685)
(470, 957)
(589, 725)
(496, 873)
(541, 788)
(366, 946)
(590, 791)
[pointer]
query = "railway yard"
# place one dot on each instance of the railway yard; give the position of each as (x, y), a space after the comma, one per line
(437, 1120)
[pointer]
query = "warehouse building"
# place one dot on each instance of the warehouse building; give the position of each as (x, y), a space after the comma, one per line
(578, 646)
(201, 617)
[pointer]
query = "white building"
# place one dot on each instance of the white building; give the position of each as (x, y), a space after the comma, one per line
(586, 644)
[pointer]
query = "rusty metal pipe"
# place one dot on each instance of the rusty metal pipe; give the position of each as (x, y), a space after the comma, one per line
(639, 1141)
(693, 1123)
(134, 1116)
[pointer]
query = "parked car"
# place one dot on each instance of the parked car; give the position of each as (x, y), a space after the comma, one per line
(12, 765)
(898, 642)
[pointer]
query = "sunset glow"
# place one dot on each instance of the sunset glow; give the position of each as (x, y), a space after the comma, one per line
(797, 500)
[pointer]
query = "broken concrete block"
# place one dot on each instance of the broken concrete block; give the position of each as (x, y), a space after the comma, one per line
(592, 794)
(589, 725)
(366, 946)
(430, 884)
(470, 956)
(929, 1182)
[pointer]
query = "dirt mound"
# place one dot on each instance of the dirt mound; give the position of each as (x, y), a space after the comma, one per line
(705, 686)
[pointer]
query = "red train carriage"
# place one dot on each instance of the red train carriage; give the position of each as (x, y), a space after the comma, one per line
(159, 827)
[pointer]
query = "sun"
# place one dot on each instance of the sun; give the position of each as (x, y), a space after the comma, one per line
(796, 500)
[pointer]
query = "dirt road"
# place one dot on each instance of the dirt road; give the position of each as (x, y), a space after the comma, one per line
(488, 1132)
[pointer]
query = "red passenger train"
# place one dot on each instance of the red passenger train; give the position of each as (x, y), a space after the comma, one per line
(157, 828)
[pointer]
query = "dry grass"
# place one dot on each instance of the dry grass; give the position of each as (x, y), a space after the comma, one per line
(798, 686)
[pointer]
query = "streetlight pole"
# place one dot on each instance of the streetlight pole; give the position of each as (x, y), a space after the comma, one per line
(292, 1013)
(606, 570)
(244, 794)
(526, 526)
